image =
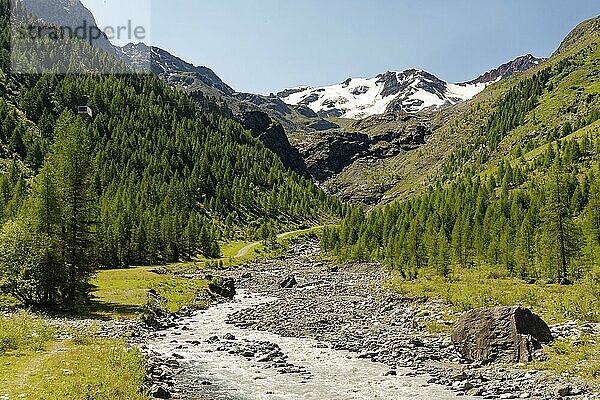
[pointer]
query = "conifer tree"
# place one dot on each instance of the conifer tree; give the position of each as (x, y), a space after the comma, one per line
(592, 223)
(561, 235)
(73, 165)
(443, 254)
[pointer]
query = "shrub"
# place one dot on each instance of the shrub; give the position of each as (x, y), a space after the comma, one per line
(24, 332)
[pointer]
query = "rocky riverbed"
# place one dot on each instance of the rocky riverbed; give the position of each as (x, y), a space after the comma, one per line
(208, 358)
(340, 311)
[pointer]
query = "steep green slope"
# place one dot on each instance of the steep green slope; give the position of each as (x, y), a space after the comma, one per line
(168, 181)
(511, 182)
(570, 95)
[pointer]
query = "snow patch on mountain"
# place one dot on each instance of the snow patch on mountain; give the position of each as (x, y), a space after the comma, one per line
(409, 91)
(412, 90)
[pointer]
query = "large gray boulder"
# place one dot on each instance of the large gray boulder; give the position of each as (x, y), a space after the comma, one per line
(224, 288)
(506, 334)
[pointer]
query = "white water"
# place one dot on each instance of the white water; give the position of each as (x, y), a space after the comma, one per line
(335, 375)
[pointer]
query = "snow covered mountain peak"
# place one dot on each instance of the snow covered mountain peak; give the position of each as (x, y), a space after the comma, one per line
(411, 90)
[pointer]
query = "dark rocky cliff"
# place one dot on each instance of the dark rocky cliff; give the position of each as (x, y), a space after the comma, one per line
(274, 138)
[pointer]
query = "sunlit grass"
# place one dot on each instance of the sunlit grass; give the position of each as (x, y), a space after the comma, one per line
(123, 293)
(24, 332)
(102, 369)
(579, 358)
(34, 364)
(486, 287)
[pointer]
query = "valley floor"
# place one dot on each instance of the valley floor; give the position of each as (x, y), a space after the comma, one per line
(348, 316)
(347, 309)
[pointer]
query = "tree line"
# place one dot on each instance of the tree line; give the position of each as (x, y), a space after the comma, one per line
(546, 228)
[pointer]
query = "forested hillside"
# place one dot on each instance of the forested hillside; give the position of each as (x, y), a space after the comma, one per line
(147, 178)
(519, 190)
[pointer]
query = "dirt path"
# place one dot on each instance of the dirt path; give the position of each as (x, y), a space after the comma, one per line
(246, 249)
(249, 247)
(34, 367)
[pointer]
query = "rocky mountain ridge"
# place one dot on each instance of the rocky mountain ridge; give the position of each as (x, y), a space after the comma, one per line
(411, 90)
(175, 71)
(509, 69)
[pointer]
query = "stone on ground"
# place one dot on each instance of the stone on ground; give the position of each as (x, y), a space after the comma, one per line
(506, 334)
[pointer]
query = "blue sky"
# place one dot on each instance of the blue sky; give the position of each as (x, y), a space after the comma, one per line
(267, 45)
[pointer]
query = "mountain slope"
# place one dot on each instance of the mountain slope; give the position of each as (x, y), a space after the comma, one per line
(582, 33)
(411, 90)
(333, 152)
(169, 180)
(567, 94)
(508, 187)
(268, 118)
(570, 96)
(358, 159)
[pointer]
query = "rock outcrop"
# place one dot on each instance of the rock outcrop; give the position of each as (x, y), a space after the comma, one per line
(509, 69)
(327, 154)
(289, 282)
(274, 138)
(323, 125)
(507, 334)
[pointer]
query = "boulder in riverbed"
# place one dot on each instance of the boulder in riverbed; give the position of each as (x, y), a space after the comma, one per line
(160, 392)
(224, 288)
(507, 334)
(289, 282)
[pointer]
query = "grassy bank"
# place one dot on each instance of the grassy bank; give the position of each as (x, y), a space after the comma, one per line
(35, 364)
(487, 287)
(574, 359)
(123, 293)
